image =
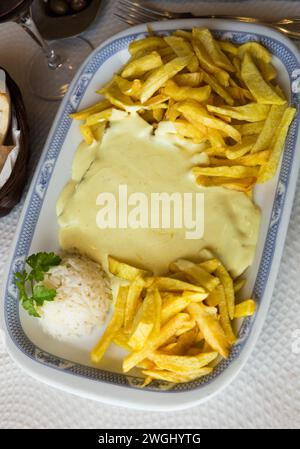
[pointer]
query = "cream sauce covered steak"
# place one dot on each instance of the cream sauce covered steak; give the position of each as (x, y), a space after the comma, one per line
(130, 154)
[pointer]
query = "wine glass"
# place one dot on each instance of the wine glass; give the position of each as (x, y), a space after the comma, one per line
(55, 63)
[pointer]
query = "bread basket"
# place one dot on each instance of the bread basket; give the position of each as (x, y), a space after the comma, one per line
(11, 191)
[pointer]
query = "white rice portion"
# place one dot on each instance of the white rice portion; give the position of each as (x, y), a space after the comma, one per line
(83, 297)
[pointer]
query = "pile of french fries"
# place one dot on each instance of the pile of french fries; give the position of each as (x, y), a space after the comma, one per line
(221, 98)
(175, 328)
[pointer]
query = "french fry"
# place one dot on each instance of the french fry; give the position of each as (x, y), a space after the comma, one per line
(268, 170)
(113, 327)
(195, 113)
(181, 48)
(175, 377)
(194, 296)
(186, 327)
(261, 91)
(215, 85)
(98, 131)
(99, 117)
(147, 44)
(141, 65)
(172, 306)
(186, 129)
(210, 265)
(228, 47)
(124, 270)
(172, 112)
(155, 101)
(85, 113)
(241, 185)
(184, 93)
(134, 292)
(167, 331)
(182, 364)
(160, 76)
(121, 339)
(212, 48)
(251, 112)
(185, 34)
(131, 88)
(169, 284)
(272, 123)
(150, 319)
(195, 273)
(240, 149)
(236, 171)
(215, 137)
(267, 70)
(214, 298)
(118, 99)
(245, 308)
(248, 129)
(87, 134)
(250, 160)
(146, 364)
(227, 283)
(224, 315)
(207, 63)
(256, 50)
(189, 79)
(210, 328)
(182, 343)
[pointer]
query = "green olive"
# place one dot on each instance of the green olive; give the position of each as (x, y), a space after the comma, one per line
(78, 5)
(59, 7)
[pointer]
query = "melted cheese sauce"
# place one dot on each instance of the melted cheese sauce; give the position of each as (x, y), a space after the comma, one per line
(130, 154)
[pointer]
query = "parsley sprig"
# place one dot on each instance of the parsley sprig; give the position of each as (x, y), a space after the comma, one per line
(40, 263)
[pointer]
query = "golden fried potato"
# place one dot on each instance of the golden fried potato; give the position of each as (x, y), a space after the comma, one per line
(182, 47)
(196, 114)
(160, 76)
(271, 123)
(256, 50)
(245, 308)
(195, 273)
(141, 65)
(87, 134)
(149, 320)
(85, 113)
(147, 44)
(113, 327)
(204, 36)
(124, 270)
(261, 91)
(210, 328)
(268, 170)
(182, 364)
(236, 171)
(180, 93)
(192, 79)
(251, 112)
(169, 376)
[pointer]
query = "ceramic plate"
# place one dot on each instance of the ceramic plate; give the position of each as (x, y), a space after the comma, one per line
(67, 366)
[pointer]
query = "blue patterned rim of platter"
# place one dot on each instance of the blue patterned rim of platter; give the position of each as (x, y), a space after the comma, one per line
(11, 305)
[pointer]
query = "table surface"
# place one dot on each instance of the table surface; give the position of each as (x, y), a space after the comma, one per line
(267, 391)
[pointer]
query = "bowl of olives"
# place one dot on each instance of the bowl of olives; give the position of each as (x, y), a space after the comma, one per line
(63, 18)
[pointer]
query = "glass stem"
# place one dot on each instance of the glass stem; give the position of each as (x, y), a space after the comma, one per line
(26, 22)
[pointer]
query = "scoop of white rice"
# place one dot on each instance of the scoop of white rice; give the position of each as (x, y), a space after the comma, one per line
(83, 297)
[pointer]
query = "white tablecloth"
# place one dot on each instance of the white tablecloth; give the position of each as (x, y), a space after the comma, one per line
(267, 391)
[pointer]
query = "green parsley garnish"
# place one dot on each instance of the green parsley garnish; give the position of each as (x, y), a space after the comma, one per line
(40, 263)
